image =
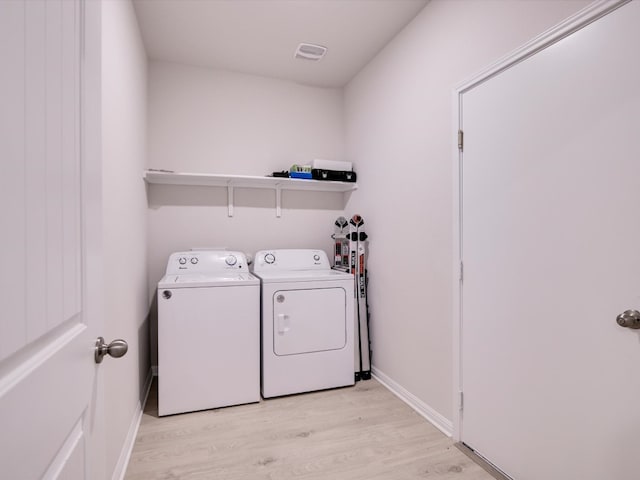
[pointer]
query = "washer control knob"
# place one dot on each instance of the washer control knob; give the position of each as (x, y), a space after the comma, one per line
(194, 260)
(182, 260)
(269, 258)
(231, 260)
(316, 257)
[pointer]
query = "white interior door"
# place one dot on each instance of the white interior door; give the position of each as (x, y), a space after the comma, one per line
(551, 251)
(50, 217)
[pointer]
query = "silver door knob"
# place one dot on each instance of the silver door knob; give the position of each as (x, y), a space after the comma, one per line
(116, 349)
(629, 319)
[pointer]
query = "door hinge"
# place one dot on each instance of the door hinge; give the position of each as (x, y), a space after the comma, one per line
(460, 140)
(460, 400)
(461, 271)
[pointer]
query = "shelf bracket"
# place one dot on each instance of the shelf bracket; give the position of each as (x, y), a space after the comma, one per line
(278, 201)
(230, 200)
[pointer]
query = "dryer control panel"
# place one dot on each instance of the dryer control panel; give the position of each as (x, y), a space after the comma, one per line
(291, 260)
(206, 261)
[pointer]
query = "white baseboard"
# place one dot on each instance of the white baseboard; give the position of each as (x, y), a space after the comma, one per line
(127, 448)
(441, 423)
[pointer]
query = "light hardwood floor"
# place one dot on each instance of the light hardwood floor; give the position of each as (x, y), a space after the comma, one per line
(361, 432)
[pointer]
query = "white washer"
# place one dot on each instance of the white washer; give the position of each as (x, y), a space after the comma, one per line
(208, 332)
(307, 322)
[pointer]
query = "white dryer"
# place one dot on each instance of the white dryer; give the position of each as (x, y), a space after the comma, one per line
(208, 332)
(307, 322)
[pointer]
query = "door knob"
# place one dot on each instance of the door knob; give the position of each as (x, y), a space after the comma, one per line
(116, 349)
(629, 319)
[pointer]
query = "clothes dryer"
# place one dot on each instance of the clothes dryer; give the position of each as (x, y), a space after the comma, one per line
(307, 322)
(208, 332)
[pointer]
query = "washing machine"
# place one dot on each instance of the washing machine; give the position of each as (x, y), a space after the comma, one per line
(208, 332)
(307, 322)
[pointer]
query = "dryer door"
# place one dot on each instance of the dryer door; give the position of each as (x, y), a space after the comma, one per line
(307, 321)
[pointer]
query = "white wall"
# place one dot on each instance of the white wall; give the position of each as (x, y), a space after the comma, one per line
(211, 121)
(124, 106)
(398, 120)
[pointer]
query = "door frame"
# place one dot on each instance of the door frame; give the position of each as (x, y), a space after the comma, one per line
(582, 18)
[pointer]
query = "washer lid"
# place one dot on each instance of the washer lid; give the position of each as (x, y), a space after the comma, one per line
(194, 280)
(303, 276)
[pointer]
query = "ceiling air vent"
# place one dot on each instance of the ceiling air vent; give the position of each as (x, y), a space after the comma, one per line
(309, 51)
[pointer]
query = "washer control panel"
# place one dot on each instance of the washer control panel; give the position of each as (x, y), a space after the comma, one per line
(206, 261)
(291, 259)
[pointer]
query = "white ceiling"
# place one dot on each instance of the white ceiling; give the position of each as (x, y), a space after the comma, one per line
(259, 37)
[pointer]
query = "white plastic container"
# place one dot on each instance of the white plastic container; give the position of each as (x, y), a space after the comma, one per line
(332, 165)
